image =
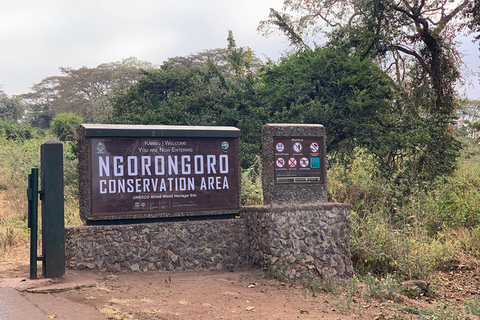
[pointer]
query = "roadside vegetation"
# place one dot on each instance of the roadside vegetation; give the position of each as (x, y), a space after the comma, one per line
(405, 231)
(19, 152)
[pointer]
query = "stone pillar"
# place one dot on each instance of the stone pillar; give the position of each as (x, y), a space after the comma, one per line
(294, 165)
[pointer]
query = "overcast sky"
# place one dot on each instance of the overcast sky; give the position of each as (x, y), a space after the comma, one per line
(39, 36)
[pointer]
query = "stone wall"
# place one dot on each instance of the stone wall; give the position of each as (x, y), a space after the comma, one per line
(313, 238)
(189, 245)
(307, 238)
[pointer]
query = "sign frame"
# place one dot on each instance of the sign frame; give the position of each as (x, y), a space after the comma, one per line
(227, 145)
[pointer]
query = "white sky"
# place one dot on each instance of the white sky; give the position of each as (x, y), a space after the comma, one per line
(39, 36)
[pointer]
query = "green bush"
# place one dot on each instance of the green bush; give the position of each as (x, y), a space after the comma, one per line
(15, 131)
(65, 125)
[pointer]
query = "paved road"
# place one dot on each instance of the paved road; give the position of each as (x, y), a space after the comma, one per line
(15, 307)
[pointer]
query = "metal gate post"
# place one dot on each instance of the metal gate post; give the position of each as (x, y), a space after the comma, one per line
(53, 224)
(32, 194)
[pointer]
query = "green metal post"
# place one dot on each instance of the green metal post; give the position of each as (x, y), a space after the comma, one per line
(32, 194)
(53, 225)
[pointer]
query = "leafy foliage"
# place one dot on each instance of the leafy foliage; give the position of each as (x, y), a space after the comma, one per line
(15, 131)
(220, 57)
(203, 95)
(251, 192)
(473, 306)
(409, 33)
(472, 15)
(357, 103)
(352, 98)
(409, 236)
(18, 157)
(65, 125)
(413, 41)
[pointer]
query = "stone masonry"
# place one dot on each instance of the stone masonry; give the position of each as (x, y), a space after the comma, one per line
(189, 245)
(312, 238)
(308, 238)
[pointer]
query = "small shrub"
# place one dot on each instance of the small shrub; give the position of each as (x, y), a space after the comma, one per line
(278, 269)
(381, 289)
(65, 125)
(251, 185)
(8, 238)
(442, 253)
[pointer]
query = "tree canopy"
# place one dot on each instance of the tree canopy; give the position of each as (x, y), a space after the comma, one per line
(11, 108)
(350, 97)
(84, 91)
(198, 91)
(353, 97)
(414, 39)
(372, 85)
(414, 43)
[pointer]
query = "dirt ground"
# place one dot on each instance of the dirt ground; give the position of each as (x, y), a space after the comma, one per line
(248, 294)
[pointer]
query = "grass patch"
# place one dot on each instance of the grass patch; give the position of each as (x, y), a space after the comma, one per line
(409, 231)
(473, 306)
(315, 284)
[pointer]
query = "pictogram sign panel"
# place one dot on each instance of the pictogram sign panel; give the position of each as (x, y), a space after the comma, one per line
(305, 160)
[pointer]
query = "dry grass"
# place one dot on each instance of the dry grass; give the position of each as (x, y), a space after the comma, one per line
(12, 258)
(17, 159)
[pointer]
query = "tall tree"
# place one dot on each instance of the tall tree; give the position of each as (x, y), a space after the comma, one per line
(40, 102)
(227, 60)
(414, 42)
(11, 109)
(418, 32)
(472, 16)
(352, 98)
(357, 103)
(86, 91)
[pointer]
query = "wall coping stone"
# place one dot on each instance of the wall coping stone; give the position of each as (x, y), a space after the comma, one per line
(296, 207)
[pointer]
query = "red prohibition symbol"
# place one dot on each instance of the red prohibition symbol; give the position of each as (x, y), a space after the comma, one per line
(314, 147)
(280, 147)
(292, 162)
(304, 162)
(280, 162)
(297, 147)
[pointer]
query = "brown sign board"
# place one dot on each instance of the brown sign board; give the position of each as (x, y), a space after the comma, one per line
(149, 176)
